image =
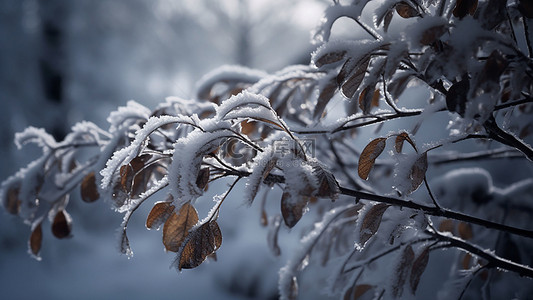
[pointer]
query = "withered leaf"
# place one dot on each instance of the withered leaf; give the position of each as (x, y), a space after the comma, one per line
(405, 10)
(272, 236)
(369, 155)
(400, 138)
(292, 208)
(350, 86)
(293, 289)
(12, 202)
(329, 58)
(129, 172)
(326, 93)
(62, 225)
(264, 218)
(177, 227)
(203, 178)
(327, 184)
(418, 171)
(463, 7)
(371, 222)
(402, 270)
(418, 268)
(465, 230)
(36, 239)
(432, 34)
(447, 225)
(465, 262)
(199, 244)
(365, 99)
(159, 214)
(456, 96)
(89, 189)
(354, 293)
(248, 127)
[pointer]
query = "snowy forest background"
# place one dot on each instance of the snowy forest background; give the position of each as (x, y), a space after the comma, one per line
(66, 61)
(110, 52)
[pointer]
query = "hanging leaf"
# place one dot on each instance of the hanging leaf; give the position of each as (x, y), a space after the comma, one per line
(466, 261)
(293, 294)
(447, 225)
(464, 7)
(457, 96)
(432, 34)
(329, 58)
(203, 178)
(366, 98)
(369, 155)
(199, 244)
(400, 138)
(371, 222)
(130, 174)
(326, 93)
(36, 239)
(12, 202)
(350, 86)
(272, 236)
(177, 227)
(89, 189)
(354, 293)
(465, 230)
(159, 214)
(292, 208)
(62, 225)
(418, 172)
(419, 266)
(327, 184)
(405, 10)
(125, 243)
(402, 270)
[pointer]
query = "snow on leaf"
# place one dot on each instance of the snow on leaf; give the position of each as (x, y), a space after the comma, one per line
(403, 268)
(125, 115)
(62, 225)
(369, 155)
(227, 74)
(178, 225)
(263, 163)
(89, 189)
(159, 214)
(37, 136)
(371, 222)
(418, 268)
(329, 58)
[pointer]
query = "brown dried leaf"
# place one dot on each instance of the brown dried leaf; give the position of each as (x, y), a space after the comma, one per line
(199, 244)
(419, 266)
(375, 98)
(350, 86)
(432, 34)
(354, 293)
(405, 10)
(465, 230)
(447, 225)
(159, 214)
(89, 189)
(327, 184)
(248, 127)
(418, 171)
(463, 7)
(402, 270)
(292, 208)
(130, 172)
(36, 239)
(400, 138)
(62, 225)
(329, 58)
(12, 202)
(465, 262)
(365, 100)
(369, 155)
(326, 93)
(203, 178)
(371, 222)
(177, 227)
(264, 218)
